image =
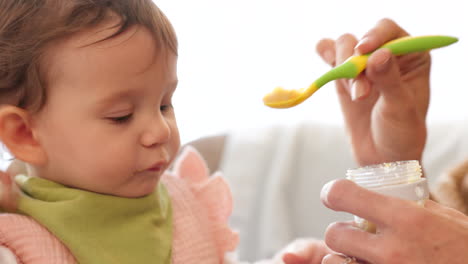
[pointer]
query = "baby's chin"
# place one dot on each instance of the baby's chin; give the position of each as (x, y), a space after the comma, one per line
(125, 193)
(136, 194)
(135, 190)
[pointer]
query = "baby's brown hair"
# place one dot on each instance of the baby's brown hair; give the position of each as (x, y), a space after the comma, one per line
(28, 26)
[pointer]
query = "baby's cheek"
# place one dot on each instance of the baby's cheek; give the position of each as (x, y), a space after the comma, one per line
(175, 139)
(118, 163)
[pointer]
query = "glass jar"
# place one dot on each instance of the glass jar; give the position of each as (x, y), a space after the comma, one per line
(402, 179)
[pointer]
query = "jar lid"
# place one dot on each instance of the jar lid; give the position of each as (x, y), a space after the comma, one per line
(386, 174)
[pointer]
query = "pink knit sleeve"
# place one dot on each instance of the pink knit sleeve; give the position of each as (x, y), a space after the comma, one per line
(30, 242)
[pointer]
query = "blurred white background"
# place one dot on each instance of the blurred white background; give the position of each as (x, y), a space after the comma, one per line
(233, 52)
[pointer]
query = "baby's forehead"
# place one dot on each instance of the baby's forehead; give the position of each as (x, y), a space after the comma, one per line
(103, 37)
(130, 60)
(135, 46)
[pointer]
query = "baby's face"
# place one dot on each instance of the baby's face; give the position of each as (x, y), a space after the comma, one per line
(108, 125)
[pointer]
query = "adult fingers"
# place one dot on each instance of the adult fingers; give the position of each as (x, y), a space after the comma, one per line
(344, 49)
(440, 209)
(384, 31)
(326, 49)
(345, 195)
(384, 74)
(346, 238)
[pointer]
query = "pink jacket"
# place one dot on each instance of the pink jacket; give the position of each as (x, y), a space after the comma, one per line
(201, 207)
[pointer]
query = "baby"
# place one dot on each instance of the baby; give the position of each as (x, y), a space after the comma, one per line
(86, 93)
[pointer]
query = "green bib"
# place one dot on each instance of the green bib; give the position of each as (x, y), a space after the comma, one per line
(102, 229)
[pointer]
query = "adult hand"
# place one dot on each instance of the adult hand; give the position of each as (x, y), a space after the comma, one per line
(406, 232)
(386, 106)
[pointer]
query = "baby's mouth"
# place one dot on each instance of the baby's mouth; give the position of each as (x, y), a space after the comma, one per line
(157, 167)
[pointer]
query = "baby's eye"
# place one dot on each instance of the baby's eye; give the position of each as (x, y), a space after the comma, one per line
(121, 119)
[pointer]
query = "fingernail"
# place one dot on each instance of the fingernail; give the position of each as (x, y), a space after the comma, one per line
(357, 91)
(360, 44)
(326, 188)
(329, 57)
(333, 258)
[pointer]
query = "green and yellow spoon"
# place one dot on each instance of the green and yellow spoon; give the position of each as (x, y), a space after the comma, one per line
(352, 67)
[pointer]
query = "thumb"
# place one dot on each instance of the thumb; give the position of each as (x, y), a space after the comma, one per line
(384, 74)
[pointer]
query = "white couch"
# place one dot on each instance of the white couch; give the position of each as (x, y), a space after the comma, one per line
(276, 174)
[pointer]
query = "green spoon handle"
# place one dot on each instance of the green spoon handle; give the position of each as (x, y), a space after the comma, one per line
(353, 66)
(417, 44)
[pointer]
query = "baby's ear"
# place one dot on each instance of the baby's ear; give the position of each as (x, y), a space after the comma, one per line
(16, 134)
